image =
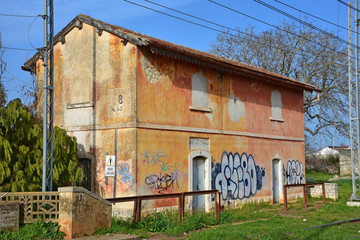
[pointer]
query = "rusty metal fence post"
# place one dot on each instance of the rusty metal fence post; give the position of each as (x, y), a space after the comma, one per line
(285, 197)
(138, 210)
(217, 206)
(182, 206)
(180, 196)
(305, 195)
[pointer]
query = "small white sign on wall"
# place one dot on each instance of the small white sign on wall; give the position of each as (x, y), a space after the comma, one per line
(110, 166)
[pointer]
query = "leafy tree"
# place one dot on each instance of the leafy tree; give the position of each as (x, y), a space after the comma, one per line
(307, 56)
(2, 71)
(21, 152)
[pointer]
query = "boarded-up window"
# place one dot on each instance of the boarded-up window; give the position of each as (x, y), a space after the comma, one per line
(199, 94)
(276, 105)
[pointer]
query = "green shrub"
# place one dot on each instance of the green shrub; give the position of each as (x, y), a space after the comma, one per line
(36, 230)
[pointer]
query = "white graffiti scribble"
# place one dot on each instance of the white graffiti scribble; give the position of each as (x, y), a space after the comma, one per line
(293, 173)
(237, 177)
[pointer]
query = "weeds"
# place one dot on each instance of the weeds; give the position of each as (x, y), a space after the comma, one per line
(36, 230)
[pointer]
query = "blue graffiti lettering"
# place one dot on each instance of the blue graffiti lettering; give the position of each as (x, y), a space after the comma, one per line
(237, 177)
(125, 174)
(159, 157)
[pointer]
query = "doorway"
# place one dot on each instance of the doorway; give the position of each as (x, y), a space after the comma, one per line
(276, 170)
(85, 165)
(199, 179)
(199, 182)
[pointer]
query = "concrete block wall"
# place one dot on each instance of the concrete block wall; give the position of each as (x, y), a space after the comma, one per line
(331, 191)
(345, 162)
(82, 212)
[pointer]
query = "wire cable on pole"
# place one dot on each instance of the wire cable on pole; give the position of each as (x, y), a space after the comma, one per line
(217, 30)
(15, 15)
(20, 49)
(229, 28)
(346, 4)
(311, 15)
(279, 28)
(28, 32)
(303, 22)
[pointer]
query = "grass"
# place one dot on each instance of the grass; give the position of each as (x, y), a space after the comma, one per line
(293, 223)
(318, 176)
(36, 230)
(259, 221)
(251, 221)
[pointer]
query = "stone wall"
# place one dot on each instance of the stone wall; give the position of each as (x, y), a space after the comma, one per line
(345, 162)
(9, 216)
(82, 212)
(331, 191)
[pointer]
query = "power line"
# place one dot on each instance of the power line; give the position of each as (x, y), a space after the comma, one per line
(303, 22)
(346, 4)
(204, 20)
(279, 28)
(222, 32)
(311, 15)
(28, 32)
(229, 28)
(182, 19)
(15, 15)
(20, 49)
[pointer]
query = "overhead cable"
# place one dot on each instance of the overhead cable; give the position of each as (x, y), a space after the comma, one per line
(229, 28)
(311, 15)
(304, 22)
(346, 4)
(21, 49)
(214, 29)
(279, 28)
(15, 15)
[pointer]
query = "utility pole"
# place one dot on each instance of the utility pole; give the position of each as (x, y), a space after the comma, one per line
(354, 101)
(48, 88)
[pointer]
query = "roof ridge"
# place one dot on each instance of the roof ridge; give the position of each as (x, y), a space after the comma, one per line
(141, 39)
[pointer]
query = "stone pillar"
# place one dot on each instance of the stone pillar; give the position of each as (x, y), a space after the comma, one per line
(82, 212)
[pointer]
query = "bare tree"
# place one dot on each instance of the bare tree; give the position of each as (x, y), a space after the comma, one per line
(302, 54)
(2, 71)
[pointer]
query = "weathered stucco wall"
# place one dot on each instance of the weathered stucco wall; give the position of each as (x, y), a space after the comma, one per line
(167, 113)
(232, 114)
(82, 212)
(233, 102)
(95, 86)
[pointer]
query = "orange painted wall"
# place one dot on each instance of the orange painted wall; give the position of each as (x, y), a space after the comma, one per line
(103, 84)
(167, 123)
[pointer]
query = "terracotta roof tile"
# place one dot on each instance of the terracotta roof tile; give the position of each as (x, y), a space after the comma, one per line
(182, 52)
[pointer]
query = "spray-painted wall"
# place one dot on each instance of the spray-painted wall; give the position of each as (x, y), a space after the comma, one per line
(245, 123)
(167, 112)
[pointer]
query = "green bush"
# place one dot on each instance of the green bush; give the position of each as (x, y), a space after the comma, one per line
(36, 230)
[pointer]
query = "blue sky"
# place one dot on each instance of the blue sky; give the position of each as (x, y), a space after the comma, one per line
(27, 33)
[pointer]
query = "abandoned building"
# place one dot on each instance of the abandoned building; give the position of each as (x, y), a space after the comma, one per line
(178, 119)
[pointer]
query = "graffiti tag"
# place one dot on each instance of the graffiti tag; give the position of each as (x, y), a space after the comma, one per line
(293, 173)
(125, 174)
(161, 182)
(167, 167)
(237, 177)
(159, 157)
